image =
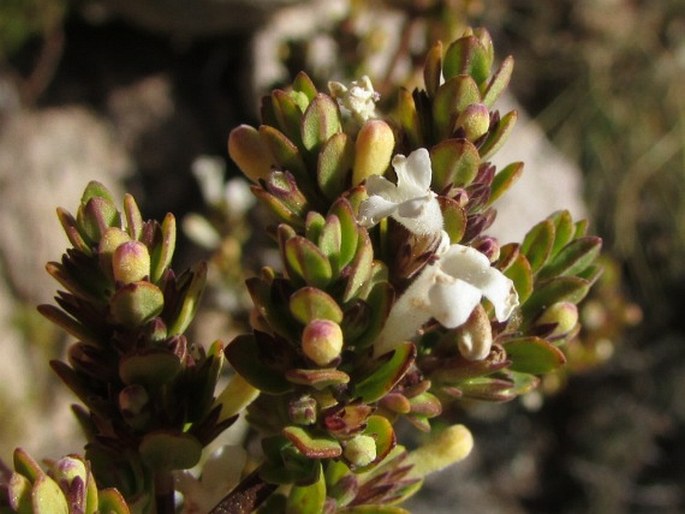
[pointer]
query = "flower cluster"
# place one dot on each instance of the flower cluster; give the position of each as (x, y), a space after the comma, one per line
(390, 302)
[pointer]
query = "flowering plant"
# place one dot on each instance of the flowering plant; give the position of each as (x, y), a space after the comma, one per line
(390, 302)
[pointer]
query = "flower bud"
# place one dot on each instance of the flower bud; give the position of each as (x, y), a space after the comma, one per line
(131, 262)
(474, 338)
(67, 469)
(488, 246)
(360, 450)
(133, 402)
(449, 446)
(322, 341)
(562, 315)
(373, 150)
(475, 120)
(110, 241)
(302, 411)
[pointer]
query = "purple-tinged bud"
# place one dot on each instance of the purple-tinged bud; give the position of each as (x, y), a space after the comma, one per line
(302, 411)
(488, 246)
(322, 341)
(475, 121)
(131, 262)
(360, 450)
(110, 241)
(69, 468)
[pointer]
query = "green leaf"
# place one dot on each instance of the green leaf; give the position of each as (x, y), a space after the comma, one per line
(574, 258)
(361, 266)
(95, 216)
(454, 218)
(432, 69)
(19, 494)
(451, 98)
(380, 429)
(454, 161)
(467, 56)
(134, 219)
(247, 150)
(559, 289)
(373, 509)
(242, 353)
(309, 303)
(287, 113)
(313, 225)
(504, 180)
(563, 230)
(320, 122)
(306, 261)
(136, 303)
(581, 228)
(191, 300)
(336, 159)
(373, 387)
(314, 447)
(317, 378)
(537, 244)
(349, 233)
(272, 303)
(409, 118)
(523, 382)
(278, 207)
(95, 189)
(307, 499)
(304, 84)
(591, 273)
(521, 274)
(498, 135)
(379, 301)
(111, 501)
(71, 230)
(286, 154)
(150, 367)
(47, 497)
(499, 82)
(167, 451)
(330, 242)
(533, 355)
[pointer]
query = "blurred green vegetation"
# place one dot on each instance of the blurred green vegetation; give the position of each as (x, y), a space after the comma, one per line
(21, 20)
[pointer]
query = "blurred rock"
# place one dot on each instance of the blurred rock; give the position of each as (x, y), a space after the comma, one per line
(185, 18)
(46, 158)
(550, 181)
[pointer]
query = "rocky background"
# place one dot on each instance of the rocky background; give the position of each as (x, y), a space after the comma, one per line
(132, 92)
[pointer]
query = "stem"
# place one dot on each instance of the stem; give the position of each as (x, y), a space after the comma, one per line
(164, 493)
(246, 497)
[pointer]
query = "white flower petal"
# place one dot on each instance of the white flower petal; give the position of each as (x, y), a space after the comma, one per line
(468, 264)
(414, 172)
(375, 209)
(416, 206)
(381, 186)
(447, 290)
(453, 301)
(421, 216)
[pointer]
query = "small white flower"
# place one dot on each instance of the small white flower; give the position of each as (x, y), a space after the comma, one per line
(448, 290)
(360, 98)
(220, 473)
(411, 202)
